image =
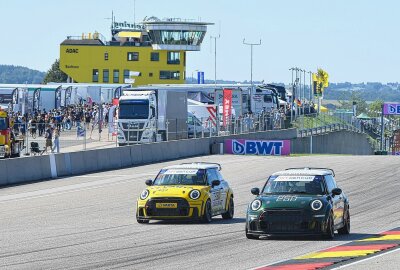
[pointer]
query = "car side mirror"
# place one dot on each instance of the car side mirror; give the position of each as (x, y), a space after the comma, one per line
(215, 183)
(149, 182)
(336, 191)
(255, 191)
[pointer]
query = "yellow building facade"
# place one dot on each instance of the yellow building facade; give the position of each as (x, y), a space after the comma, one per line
(153, 52)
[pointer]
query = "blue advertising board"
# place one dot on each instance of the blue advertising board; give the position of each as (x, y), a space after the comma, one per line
(200, 77)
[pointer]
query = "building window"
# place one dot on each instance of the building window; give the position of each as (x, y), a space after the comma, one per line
(169, 75)
(116, 76)
(174, 58)
(106, 56)
(106, 76)
(151, 74)
(126, 74)
(95, 75)
(133, 56)
(154, 56)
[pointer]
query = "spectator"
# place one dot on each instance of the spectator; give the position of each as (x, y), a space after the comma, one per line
(49, 136)
(56, 144)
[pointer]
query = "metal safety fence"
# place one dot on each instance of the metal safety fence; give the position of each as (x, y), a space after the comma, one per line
(49, 137)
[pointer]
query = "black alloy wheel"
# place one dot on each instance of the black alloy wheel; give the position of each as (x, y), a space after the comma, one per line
(231, 210)
(330, 230)
(207, 217)
(346, 226)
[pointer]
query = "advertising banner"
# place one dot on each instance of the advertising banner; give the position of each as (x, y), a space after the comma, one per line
(391, 108)
(236, 101)
(257, 147)
(111, 120)
(227, 106)
(200, 77)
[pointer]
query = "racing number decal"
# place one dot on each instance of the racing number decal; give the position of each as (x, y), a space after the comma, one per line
(286, 198)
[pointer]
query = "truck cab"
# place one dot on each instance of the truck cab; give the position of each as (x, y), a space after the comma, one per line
(9, 145)
(137, 117)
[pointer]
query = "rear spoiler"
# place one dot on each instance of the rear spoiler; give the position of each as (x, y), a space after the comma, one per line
(211, 163)
(312, 168)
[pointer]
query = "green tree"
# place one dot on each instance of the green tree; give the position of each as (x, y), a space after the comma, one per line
(55, 74)
(375, 108)
(362, 106)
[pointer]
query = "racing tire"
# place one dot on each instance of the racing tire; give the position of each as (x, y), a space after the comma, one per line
(251, 236)
(207, 217)
(330, 230)
(231, 210)
(142, 221)
(346, 226)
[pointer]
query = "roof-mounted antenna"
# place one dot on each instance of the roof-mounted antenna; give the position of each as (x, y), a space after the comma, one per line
(134, 13)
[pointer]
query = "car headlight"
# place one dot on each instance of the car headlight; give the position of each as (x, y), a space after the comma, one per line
(316, 205)
(255, 205)
(145, 193)
(194, 194)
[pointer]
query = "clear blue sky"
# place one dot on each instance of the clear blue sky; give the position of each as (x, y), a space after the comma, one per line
(354, 40)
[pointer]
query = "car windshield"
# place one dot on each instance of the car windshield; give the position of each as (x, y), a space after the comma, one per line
(133, 109)
(295, 184)
(3, 124)
(180, 177)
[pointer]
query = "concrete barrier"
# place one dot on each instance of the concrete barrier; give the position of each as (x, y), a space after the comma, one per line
(114, 157)
(339, 142)
(136, 154)
(90, 160)
(63, 163)
(125, 156)
(78, 165)
(103, 160)
(24, 170)
(3, 174)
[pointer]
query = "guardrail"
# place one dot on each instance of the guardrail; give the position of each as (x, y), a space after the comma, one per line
(326, 129)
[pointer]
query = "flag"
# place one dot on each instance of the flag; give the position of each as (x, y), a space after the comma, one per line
(227, 106)
(80, 132)
(111, 121)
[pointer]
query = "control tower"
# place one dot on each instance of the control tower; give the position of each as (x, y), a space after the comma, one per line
(151, 52)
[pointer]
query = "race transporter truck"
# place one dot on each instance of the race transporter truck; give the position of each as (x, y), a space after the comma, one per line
(10, 146)
(150, 115)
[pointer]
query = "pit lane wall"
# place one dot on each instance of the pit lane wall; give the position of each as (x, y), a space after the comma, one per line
(37, 168)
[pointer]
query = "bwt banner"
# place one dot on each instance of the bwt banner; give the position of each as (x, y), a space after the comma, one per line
(255, 147)
(391, 108)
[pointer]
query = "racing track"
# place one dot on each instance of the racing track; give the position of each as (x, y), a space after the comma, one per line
(88, 222)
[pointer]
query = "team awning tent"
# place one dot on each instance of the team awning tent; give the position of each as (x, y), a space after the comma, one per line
(282, 102)
(201, 97)
(363, 116)
(127, 34)
(323, 109)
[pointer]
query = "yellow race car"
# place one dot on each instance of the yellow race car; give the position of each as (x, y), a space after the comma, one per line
(186, 191)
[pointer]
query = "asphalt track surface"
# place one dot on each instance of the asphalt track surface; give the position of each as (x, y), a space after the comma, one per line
(88, 222)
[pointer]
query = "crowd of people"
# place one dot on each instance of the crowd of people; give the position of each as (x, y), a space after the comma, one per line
(51, 124)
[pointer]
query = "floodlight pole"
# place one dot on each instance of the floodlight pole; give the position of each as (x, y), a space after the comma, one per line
(251, 66)
(291, 98)
(251, 62)
(215, 57)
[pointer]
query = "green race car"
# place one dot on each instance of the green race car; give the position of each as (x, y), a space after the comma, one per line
(299, 201)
